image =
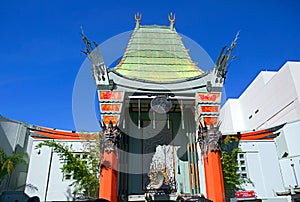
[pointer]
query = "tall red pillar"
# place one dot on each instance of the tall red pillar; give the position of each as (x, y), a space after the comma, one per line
(109, 176)
(214, 177)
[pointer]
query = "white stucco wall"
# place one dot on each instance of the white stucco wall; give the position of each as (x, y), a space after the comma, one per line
(45, 170)
(273, 98)
(12, 134)
(289, 141)
(262, 168)
(269, 162)
(14, 138)
(231, 117)
(270, 100)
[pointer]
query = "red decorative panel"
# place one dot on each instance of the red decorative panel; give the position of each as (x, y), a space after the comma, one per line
(206, 109)
(213, 120)
(110, 95)
(111, 107)
(209, 97)
(107, 118)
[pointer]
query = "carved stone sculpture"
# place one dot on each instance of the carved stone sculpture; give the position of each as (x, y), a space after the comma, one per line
(111, 136)
(162, 168)
(209, 138)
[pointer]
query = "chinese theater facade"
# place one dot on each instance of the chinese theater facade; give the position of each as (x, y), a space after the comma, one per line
(159, 115)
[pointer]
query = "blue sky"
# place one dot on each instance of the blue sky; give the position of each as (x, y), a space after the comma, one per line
(40, 44)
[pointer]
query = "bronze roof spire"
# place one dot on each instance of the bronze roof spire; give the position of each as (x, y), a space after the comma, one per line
(172, 18)
(137, 17)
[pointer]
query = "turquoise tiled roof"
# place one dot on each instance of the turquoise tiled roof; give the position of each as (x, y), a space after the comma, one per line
(157, 54)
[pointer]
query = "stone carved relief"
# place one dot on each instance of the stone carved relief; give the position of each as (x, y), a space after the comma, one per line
(111, 136)
(162, 171)
(209, 138)
(163, 137)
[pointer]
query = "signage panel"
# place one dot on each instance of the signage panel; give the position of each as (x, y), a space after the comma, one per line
(245, 194)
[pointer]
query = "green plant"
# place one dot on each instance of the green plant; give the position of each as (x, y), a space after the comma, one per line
(232, 179)
(9, 162)
(85, 171)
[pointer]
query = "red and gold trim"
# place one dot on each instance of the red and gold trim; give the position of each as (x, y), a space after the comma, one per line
(209, 109)
(209, 97)
(265, 134)
(113, 118)
(110, 107)
(47, 133)
(110, 96)
(211, 119)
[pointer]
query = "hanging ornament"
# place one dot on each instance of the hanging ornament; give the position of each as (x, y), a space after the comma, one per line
(161, 104)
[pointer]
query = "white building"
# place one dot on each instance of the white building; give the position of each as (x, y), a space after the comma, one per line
(270, 100)
(42, 175)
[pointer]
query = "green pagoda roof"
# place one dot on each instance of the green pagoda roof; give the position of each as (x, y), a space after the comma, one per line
(157, 54)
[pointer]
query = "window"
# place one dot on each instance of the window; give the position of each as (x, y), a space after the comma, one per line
(69, 176)
(242, 168)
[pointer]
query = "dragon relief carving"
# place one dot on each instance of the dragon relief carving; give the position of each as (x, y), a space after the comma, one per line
(209, 138)
(111, 136)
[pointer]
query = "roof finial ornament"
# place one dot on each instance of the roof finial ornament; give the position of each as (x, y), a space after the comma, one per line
(93, 53)
(88, 45)
(172, 20)
(223, 59)
(137, 17)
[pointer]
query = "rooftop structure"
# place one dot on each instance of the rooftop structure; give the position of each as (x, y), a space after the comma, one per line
(156, 54)
(164, 105)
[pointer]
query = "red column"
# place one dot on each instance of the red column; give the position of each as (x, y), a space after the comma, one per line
(214, 177)
(109, 177)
